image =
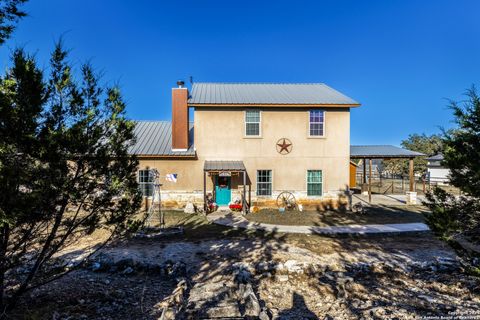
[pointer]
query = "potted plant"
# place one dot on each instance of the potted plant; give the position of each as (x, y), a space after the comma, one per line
(235, 207)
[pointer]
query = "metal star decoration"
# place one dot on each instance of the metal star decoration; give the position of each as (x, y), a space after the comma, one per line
(284, 146)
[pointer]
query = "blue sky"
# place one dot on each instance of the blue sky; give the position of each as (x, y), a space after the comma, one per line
(400, 59)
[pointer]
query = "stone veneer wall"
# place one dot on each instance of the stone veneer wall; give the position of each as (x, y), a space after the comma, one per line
(177, 199)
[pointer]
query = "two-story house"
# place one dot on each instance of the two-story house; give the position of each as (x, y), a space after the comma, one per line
(249, 140)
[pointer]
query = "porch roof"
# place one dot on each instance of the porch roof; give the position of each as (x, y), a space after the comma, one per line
(224, 165)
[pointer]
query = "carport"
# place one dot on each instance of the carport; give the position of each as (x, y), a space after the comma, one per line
(384, 152)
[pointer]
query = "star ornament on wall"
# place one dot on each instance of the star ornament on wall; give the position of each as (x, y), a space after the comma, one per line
(284, 146)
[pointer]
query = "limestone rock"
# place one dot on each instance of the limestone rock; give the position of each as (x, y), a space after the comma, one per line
(252, 306)
(264, 315)
(293, 267)
(179, 269)
(242, 276)
(189, 208)
(282, 277)
(290, 263)
(128, 270)
(96, 266)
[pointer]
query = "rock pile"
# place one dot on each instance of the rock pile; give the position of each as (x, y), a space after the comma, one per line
(228, 296)
(366, 289)
(158, 233)
(104, 263)
(173, 305)
(274, 290)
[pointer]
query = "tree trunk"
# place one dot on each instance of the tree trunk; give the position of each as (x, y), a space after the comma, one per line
(5, 234)
(40, 259)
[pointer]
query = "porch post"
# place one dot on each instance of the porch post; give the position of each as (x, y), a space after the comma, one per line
(364, 170)
(205, 192)
(244, 204)
(410, 173)
(370, 180)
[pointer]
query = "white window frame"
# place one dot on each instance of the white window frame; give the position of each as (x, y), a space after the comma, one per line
(259, 124)
(307, 183)
(140, 184)
(271, 183)
(324, 122)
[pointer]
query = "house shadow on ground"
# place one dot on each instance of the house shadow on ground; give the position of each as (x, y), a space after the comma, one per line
(363, 276)
(341, 278)
(299, 309)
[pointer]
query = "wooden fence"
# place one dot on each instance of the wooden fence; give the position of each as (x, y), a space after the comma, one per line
(400, 185)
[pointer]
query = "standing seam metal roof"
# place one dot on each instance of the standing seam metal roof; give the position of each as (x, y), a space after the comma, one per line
(224, 165)
(437, 157)
(205, 93)
(382, 151)
(154, 138)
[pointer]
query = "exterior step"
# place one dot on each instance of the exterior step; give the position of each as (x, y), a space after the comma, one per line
(224, 209)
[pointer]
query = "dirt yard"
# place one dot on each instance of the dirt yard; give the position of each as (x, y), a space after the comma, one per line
(373, 215)
(274, 276)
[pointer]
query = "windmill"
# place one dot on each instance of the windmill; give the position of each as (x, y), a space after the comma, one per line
(156, 198)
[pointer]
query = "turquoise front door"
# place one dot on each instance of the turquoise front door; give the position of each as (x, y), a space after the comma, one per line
(223, 193)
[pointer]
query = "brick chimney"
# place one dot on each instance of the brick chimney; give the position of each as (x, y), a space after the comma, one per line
(179, 117)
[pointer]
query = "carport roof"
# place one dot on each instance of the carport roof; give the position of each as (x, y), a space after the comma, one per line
(224, 165)
(382, 152)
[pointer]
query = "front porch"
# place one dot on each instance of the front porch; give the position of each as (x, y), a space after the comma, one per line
(225, 175)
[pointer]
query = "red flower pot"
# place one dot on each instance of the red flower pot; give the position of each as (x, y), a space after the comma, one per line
(235, 207)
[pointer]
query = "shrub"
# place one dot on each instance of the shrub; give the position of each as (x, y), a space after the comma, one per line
(451, 215)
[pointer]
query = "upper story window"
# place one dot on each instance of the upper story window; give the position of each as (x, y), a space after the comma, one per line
(317, 123)
(145, 182)
(252, 123)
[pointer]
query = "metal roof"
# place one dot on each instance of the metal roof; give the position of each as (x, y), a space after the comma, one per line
(437, 157)
(205, 93)
(154, 138)
(225, 165)
(382, 151)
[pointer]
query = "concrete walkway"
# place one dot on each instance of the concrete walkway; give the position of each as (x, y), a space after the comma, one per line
(385, 199)
(236, 220)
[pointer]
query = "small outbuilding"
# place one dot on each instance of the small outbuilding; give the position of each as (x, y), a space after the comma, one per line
(353, 174)
(437, 173)
(385, 152)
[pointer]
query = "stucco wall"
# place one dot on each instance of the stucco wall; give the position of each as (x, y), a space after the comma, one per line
(220, 135)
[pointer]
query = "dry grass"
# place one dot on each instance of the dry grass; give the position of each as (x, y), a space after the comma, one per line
(374, 215)
(197, 227)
